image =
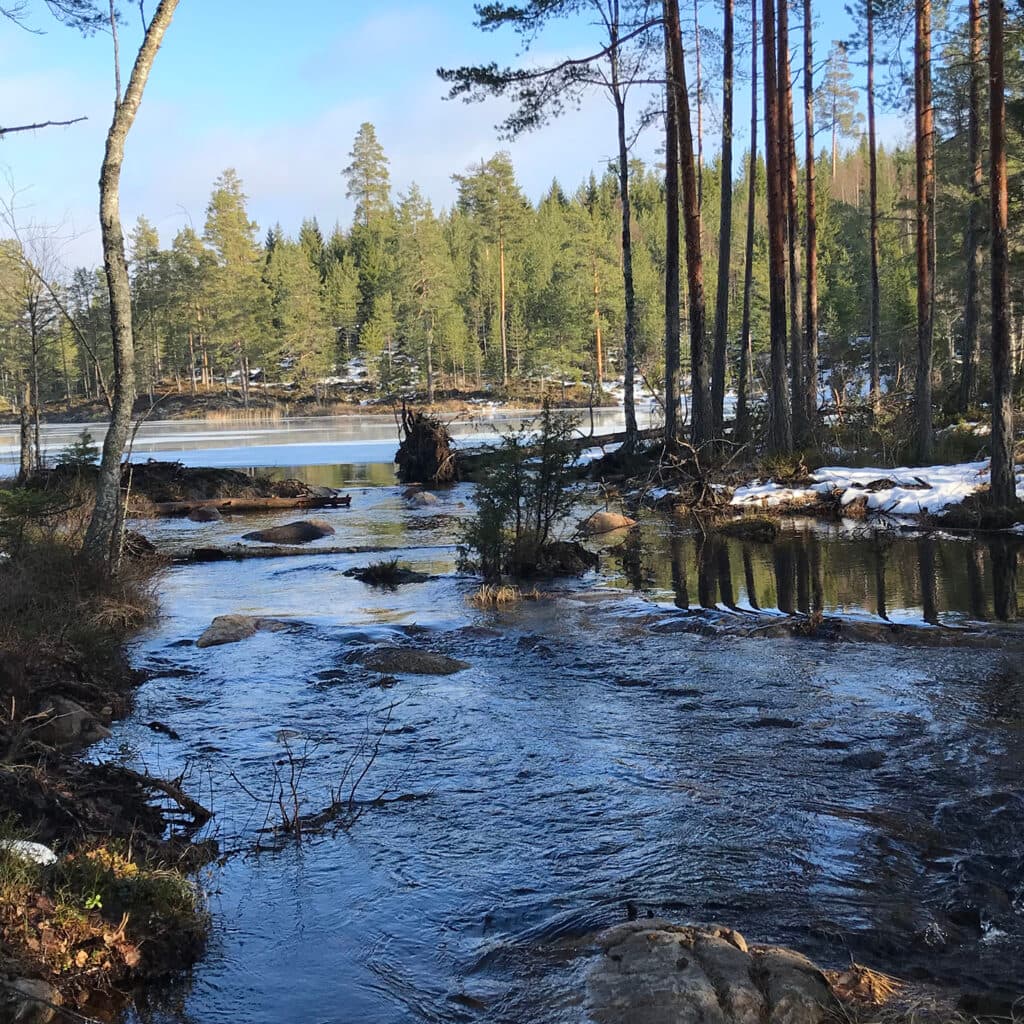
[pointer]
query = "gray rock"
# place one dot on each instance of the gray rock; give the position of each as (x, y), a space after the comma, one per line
(28, 1001)
(24, 849)
(652, 972)
(69, 724)
(205, 515)
(302, 531)
(606, 522)
(422, 498)
(230, 629)
(412, 661)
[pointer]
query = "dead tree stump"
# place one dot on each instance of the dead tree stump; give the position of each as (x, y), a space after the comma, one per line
(425, 455)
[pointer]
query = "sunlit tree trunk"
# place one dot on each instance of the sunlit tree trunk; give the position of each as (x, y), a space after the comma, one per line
(1003, 486)
(672, 61)
(811, 294)
(629, 293)
(972, 238)
(700, 361)
(925, 160)
(790, 176)
(99, 544)
(718, 362)
(746, 348)
(780, 429)
(875, 286)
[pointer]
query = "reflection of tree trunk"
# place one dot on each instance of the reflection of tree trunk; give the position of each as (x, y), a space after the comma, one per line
(706, 590)
(1004, 578)
(679, 581)
(748, 577)
(929, 588)
(725, 575)
(975, 584)
(783, 558)
(817, 577)
(803, 580)
(883, 611)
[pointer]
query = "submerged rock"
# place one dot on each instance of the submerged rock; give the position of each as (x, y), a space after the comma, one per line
(205, 515)
(69, 724)
(421, 499)
(229, 629)
(605, 522)
(28, 1001)
(409, 660)
(653, 972)
(302, 531)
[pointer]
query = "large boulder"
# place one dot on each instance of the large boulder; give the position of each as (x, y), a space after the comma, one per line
(230, 629)
(302, 531)
(68, 724)
(605, 522)
(410, 660)
(653, 972)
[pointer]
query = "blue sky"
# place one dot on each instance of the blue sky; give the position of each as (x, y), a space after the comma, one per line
(278, 93)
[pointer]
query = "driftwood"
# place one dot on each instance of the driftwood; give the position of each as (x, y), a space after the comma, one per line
(242, 505)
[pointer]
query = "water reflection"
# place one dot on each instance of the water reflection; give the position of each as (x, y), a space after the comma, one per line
(931, 580)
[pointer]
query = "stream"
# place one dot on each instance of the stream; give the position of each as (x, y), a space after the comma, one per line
(594, 762)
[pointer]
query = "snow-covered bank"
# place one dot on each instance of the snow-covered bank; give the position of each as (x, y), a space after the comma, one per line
(896, 492)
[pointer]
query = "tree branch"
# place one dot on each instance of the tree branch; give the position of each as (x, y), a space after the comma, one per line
(41, 124)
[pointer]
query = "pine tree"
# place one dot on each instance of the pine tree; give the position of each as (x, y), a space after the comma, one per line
(367, 176)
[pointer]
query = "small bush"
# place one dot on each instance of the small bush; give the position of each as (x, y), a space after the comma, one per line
(523, 499)
(80, 453)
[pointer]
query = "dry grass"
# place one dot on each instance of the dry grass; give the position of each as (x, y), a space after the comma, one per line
(492, 595)
(867, 996)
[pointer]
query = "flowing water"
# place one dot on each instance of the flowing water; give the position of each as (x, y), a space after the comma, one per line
(594, 762)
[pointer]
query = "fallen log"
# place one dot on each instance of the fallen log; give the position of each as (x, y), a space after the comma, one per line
(237, 553)
(471, 458)
(244, 505)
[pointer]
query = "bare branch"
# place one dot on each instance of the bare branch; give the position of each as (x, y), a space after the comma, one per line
(40, 124)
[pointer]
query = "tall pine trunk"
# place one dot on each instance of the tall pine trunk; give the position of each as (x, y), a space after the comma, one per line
(746, 348)
(718, 362)
(925, 159)
(629, 344)
(700, 358)
(99, 546)
(796, 367)
(673, 60)
(780, 437)
(1003, 489)
(811, 295)
(875, 286)
(972, 237)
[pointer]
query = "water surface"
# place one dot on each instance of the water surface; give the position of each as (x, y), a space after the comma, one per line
(593, 763)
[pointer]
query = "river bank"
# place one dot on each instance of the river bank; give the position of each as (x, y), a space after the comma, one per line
(96, 859)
